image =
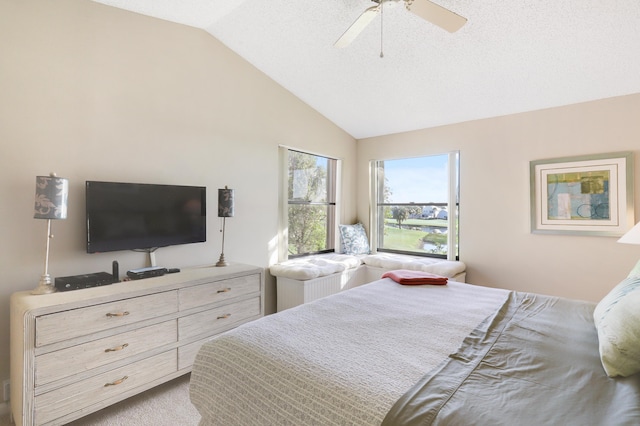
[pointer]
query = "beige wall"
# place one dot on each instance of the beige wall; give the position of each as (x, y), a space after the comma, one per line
(495, 239)
(96, 93)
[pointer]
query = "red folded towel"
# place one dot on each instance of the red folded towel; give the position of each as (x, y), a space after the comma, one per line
(408, 277)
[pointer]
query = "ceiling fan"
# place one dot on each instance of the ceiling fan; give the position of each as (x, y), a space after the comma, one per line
(427, 10)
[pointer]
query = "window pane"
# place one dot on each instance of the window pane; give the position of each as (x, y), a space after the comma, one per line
(307, 177)
(424, 179)
(413, 208)
(311, 203)
(308, 228)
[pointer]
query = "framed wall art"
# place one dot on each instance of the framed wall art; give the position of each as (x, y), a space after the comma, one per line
(586, 195)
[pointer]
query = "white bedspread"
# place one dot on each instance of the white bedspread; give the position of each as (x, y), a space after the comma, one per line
(341, 360)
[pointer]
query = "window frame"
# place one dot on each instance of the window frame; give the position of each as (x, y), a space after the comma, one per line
(334, 167)
(452, 204)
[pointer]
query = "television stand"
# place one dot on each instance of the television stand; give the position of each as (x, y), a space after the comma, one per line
(76, 352)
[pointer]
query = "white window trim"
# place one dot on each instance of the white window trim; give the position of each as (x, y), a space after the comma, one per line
(451, 222)
(373, 203)
(283, 219)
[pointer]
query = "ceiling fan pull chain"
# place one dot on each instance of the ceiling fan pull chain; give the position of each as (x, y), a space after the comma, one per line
(381, 26)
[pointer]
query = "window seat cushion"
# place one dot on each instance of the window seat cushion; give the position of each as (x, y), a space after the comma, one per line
(310, 267)
(390, 261)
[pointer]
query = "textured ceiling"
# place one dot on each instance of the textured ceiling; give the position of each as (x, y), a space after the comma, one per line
(511, 56)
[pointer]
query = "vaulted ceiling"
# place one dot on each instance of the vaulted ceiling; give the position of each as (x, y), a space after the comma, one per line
(510, 57)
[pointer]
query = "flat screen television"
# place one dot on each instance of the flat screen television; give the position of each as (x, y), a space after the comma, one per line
(138, 216)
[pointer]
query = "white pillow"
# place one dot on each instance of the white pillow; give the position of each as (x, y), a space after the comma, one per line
(617, 320)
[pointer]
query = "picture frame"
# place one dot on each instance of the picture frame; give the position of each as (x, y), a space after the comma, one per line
(583, 195)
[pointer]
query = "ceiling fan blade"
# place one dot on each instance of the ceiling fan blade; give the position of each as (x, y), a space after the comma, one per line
(356, 28)
(437, 15)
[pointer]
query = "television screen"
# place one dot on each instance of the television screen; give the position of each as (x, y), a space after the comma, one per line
(129, 216)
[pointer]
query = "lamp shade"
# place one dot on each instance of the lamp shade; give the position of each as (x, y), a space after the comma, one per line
(632, 236)
(51, 197)
(225, 202)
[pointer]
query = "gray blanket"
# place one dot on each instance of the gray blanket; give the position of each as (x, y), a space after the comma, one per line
(534, 362)
(341, 360)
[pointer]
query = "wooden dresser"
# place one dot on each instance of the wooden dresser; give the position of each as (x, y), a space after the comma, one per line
(76, 352)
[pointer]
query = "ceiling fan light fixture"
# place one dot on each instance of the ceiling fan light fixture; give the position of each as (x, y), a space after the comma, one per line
(436, 14)
(425, 9)
(391, 4)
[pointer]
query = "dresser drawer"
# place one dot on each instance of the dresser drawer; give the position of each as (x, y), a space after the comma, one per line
(65, 325)
(77, 359)
(218, 290)
(187, 353)
(79, 395)
(218, 319)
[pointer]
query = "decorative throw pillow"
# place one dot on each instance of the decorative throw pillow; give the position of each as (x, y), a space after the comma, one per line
(354, 239)
(617, 319)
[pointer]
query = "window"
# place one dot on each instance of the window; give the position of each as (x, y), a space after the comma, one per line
(311, 203)
(416, 202)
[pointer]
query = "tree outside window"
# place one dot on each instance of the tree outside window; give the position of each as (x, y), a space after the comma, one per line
(311, 203)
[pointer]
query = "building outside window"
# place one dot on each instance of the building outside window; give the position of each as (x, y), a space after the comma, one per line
(416, 205)
(311, 205)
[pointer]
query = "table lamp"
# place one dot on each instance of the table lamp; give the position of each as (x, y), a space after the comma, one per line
(51, 203)
(632, 236)
(225, 210)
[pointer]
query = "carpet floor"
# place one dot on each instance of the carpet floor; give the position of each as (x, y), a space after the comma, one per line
(164, 405)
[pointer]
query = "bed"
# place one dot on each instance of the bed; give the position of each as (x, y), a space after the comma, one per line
(391, 354)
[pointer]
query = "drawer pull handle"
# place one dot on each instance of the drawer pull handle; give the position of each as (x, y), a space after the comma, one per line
(117, 348)
(224, 290)
(118, 314)
(117, 382)
(224, 316)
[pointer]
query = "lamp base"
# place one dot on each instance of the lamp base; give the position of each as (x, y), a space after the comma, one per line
(222, 262)
(45, 286)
